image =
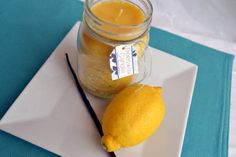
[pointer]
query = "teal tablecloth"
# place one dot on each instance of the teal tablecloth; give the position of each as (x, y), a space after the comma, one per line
(31, 29)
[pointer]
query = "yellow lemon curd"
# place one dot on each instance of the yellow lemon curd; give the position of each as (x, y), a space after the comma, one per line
(94, 58)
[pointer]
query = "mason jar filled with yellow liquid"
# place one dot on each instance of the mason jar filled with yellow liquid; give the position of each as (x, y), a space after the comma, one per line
(113, 32)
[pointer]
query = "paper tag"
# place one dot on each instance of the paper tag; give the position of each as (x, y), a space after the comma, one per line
(123, 61)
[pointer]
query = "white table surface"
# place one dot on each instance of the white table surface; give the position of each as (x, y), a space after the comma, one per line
(209, 22)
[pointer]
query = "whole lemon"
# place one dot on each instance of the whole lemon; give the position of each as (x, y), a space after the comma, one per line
(132, 116)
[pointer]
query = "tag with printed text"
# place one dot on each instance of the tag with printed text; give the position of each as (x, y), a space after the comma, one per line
(123, 61)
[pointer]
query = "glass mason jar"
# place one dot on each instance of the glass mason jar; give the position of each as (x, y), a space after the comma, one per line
(106, 25)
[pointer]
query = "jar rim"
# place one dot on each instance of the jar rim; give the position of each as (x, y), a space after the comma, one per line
(145, 22)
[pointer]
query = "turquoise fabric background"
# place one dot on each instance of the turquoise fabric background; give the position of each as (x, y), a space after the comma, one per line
(30, 30)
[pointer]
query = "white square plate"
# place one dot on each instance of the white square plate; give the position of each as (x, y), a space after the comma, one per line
(50, 113)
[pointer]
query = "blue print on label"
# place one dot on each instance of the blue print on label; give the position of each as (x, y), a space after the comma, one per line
(134, 53)
(113, 66)
(123, 61)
